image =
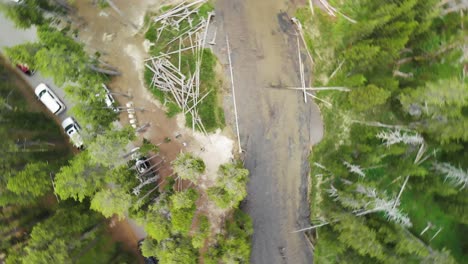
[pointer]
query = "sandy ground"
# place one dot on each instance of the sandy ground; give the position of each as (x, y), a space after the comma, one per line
(277, 129)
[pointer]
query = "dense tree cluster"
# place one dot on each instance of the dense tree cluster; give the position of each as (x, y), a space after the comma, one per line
(102, 177)
(394, 152)
(178, 233)
(33, 227)
(231, 186)
(233, 246)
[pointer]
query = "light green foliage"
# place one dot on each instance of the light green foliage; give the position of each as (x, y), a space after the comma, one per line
(26, 13)
(33, 180)
(148, 147)
(220, 196)
(183, 200)
(230, 188)
(183, 208)
(201, 233)
(148, 247)
(112, 201)
(188, 167)
(176, 250)
(442, 257)
(54, 252)
(23, 53)
(109, 149)
(156, 219)
(234, 246)
(365, 98)
(157, 226)
(59, 56)
(79, 179)
(90, 109)
(121, 176)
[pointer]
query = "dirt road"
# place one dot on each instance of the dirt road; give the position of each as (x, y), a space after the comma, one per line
(277, 129)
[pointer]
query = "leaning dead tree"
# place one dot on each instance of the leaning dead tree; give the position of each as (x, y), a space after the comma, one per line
(307, 91)
(397, 136)
(450, 6)
(166, 67)
(370, 202)
(457, 176)
(333, 11)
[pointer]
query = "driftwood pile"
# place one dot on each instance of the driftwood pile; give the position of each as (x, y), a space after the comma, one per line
(167, 77)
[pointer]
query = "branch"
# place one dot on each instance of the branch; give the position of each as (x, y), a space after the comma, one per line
(108, 72)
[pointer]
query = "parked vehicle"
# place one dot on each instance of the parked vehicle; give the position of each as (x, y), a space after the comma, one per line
(148, 260)
(49, 99)
(142, 165)
(25, 69)
(109, 99)
(72, 129)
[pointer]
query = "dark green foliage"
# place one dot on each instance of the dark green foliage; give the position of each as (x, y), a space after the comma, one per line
(26, 13)
(32, 146)
(402, 62)
(364, 98)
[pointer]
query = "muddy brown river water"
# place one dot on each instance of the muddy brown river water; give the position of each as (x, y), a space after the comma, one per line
(277, 129)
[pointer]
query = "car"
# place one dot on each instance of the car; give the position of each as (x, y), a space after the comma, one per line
(49, 99)
(142, 165)
(148, 260)
(25, 69)
(109, 100)
(72, 129)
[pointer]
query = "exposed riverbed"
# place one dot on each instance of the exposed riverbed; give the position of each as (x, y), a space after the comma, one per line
(277, 128)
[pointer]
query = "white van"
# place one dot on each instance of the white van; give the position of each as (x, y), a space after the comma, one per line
(72, 129)
(48, 98)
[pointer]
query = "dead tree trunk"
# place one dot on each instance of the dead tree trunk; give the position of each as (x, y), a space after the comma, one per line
(100, 70)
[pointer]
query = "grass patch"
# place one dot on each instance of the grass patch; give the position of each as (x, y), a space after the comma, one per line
(103, 4)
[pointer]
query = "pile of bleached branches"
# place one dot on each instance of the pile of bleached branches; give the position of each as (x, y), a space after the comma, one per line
(167, 77)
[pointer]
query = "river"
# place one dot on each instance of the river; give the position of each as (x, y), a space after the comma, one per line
(277, 129)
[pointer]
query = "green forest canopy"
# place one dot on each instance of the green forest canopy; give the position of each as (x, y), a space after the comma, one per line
(402, 128)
